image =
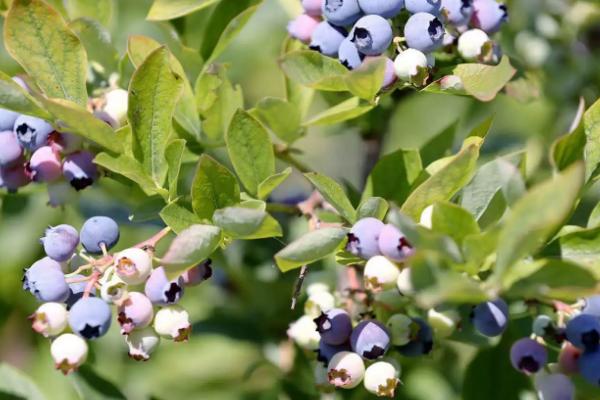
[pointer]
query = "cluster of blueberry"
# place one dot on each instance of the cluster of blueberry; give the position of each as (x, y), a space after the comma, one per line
(579, 341)
(432, 24)
(345, 341)
(76, 305)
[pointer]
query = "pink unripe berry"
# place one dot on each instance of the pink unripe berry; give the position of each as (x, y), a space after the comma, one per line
(135, 312)
(45, 164)
(302, 27)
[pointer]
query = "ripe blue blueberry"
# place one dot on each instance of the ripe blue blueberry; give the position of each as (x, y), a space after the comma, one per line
(592, 305)
(421, 340)
(77, 289)
(334, 326)
(554, 387)
(489, 15)
(528, 356)
(393, 244)
(370, 339)
(98, 231)
(349, 55)
(588, 367)
(11, 152)
(46, 281)
(363, 238)
(45, 164)
(60, 242)
(197, 274)
(341, 12)
(384, 8)
(424, 32)
(458, 12)
(426, 6)
(32, 132)
(491, 318)
(79, 170)
(14, 178)
(90, 317)
(160, 290)
(327, 38)
(7, 119)
(583, 332)
(372, 35)
(326, 351)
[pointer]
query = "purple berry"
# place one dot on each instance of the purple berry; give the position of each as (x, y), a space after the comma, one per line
(326, 351)
(334, 326)
(327, 38)
(424, 32)
(363, 238)
(60, 242)
(458, 12)
(583, 332)
(589, 364)
(554, 387)
(32, 132)
(80, 170)
(421, 341)
(14, 178)
(491, 318)
(160, 290)
(372, 35)
(45, 280)
(302, 27)
(45, 164)
(98, 231)
(349, 55)
(528, 356)
(135, 313)
(7, 119)
(384, 8)
(11, 152)
(393, 244)
(489, 15)
(390, 74)
(90, 317)
(197, 274)
(423, 6)
(370, 339)
(341, 12)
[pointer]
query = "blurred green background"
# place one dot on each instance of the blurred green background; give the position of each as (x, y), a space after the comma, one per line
(239, 348)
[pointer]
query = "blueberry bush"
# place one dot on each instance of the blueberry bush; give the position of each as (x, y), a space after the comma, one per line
(299, 199)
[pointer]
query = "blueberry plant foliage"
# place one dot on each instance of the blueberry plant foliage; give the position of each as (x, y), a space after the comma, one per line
(441, 251)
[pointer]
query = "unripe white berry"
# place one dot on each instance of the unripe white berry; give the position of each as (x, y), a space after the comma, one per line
(304, 333)
(381, 379)
(112, 288)
(471, 42)
(443, 322)
(116, 105)
(346, 370)
(402, 329)
(133, 265)
(173, 322)
(380, 273)
(404, 283)
(316, 288)
(318, 302)
(142, 343)
(69, 351)
(408, 62)
(49, 319)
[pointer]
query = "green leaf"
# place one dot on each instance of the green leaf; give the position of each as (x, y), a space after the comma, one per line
(334, 194)
(453, 221)
(186, 114)
(14, 97)
(393, 176)
(281, 117)
(312, 69)
(300, 96)
(71, 117)
(445, 183)
(272, 182)
(246, 223)
(133, 170)
(190, 247)
(250, 150)
(100, 10)
(438, 146)
(174, 155)
(374, 207)
(163, 10)
(568, 149)
(366, 81)
(15, 384)
(583, 247)
(213, 187)
(96, 40)
(309, 248)
(38, 38)
(594, 219)
(537, 216)
(178, 217)
(485, 81)
(217, 101)
(591, 124)
(344, 111)
(91, 386)
(153, 93)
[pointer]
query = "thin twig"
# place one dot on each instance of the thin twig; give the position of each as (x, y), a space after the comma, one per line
(153, 241)
(298, 286)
